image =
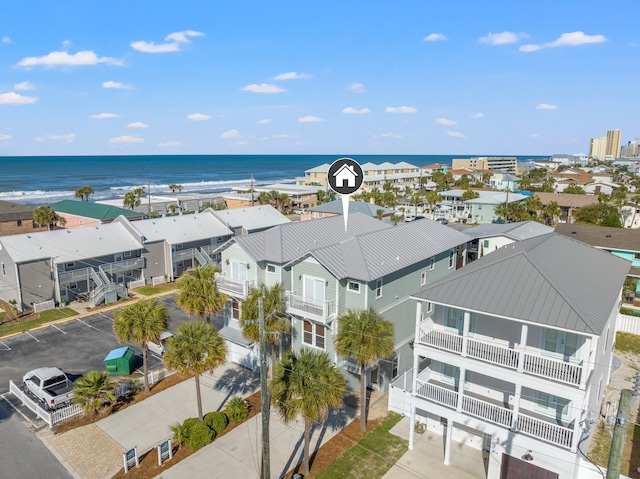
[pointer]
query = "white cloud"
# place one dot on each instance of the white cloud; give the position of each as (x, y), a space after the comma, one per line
(309, 119)
(263, 88)
(230, 134)
(434, 37)
(25, 85)
(291, 76)
(174, 40)
(137, 124)
(281, 135)
(127, 139)
(198, 117)
(102, 116)
(264, 121)
(53, 59)
(455, 134)
(13, 98)
(357, 87)
(477, 115)
(6, 39)
(4, 137)
(390, 135)
(353, 111)
(400, 109)
(535, 135)
(169, 144)
(68, 138)
(572, 39)
(546, 106)
(446, 122)
(66, 43)
(116, 84)
(503, 38)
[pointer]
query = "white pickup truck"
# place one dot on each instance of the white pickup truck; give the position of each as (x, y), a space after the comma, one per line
(50, 385)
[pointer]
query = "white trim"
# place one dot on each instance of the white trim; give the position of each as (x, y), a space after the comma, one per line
(271, 265)
(379, 288)
(355, 291)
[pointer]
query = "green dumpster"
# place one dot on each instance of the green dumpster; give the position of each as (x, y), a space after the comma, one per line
(120, 362)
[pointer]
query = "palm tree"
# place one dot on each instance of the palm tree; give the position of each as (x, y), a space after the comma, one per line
(44, 215)
(503, 211)
(276, 323)
(469, 195)
(140, 323)
(284, 200)
(139, 192)
(175, 187)
(173, 207)
(551, 211)
(198, 294)
(365, 336)
(534, 205)
(433, 198)
(264, 197)
(93, 390)
(84, 192)
(194, 349)
(416, 198)
(307, 384)
(131, 200)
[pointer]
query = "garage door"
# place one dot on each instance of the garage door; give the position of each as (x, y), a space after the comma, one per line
(514, 468)
(241, 355)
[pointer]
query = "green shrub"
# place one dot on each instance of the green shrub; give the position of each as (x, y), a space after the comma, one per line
(217, 421)
(188, 424)
(179, 435)
(237, 409)
(199, 435)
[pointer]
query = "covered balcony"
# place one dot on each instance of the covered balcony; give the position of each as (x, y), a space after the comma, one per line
(316, 310)
(234, 287)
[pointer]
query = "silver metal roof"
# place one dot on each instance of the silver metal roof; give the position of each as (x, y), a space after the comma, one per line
(550, 280)
(517, 231)
(354, 207)
(285, 243)
(72, 244)
(373, 255)
(252, 217)
(182, 228)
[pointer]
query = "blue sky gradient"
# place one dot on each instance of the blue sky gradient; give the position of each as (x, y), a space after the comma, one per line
(285, 77)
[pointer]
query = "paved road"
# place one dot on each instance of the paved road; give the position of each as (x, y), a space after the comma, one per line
(22, 454)
(76, 346)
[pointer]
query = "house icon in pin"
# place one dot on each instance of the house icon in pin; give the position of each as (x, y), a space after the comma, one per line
(346, 176)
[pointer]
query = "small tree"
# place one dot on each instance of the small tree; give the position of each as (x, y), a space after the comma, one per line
(175, 187)
(433, 198)
(198, 295)
(84, 192)
(93, 390)
(131, 200)
(44, 215)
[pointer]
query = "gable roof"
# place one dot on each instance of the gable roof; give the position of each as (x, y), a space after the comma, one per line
(547, 280)
(284, 243)
(516, 231)
(602, 236)
(74, 244)
(252, 217)
(335, 207)
(10, 211)
(373, 255)
(182, 228)
(93, 210)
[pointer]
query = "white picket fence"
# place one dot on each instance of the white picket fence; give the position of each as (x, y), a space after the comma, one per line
(43, 306)
(628, 324)
(158, 280)
(54, 417)
(137, 283)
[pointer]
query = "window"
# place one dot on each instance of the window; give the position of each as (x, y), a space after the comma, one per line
(423, 278)
(180, 264)
(552, 405)
(353, 286)
(313, 334)
(4, 269)
(379, 288)
(561, 344)
(221, 239)
(313, 290)
(432, 266)
(73, 286)
(452, 256)
(179, 246)
(429, 307)
(271, 268)
(19, 222)
(238, 270)
(235, 309)
(81, 224)
(635, 255)
(70, 264)
(485, 243)
(395, 367)
(127, 254)
(451, 374)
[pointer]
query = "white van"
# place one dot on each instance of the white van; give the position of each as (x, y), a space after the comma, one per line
(160, 349)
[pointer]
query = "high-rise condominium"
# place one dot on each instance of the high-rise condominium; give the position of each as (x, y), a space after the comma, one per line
(613, 143)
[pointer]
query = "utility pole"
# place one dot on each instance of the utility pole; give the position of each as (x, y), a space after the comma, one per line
(264, 395)
(149, 199)
(619, 435)
(253, 201)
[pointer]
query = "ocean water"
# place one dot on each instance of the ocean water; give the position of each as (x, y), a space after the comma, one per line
(46, 179)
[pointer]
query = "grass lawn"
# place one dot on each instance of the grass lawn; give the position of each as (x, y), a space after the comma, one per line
(149, 290)
(38, 319)
(372, 456)
(628, 343)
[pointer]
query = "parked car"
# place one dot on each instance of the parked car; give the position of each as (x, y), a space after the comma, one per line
(443, 221)
(160, 348)
(49, 385)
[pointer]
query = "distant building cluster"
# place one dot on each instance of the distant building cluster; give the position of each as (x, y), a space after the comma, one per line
(606, 148)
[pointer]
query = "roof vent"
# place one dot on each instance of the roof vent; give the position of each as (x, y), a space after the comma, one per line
(574, 232)
(608, 236)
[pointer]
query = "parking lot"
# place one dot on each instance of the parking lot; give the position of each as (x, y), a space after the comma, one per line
(76, 346)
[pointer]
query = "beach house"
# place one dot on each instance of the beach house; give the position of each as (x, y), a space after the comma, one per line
(512, 354)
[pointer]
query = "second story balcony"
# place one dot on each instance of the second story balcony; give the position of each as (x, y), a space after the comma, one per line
(237, 288)
(316, 310)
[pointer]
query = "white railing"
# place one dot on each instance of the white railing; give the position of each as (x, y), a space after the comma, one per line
(553, 433)
(43, 306)
(65, 413)
(320, 310)
(438, 394)
(137, 283)
(492, 353)
(487, 411)
(158, 280)
(120, 266)
(441, 340)
(234, 287)
(552, 369)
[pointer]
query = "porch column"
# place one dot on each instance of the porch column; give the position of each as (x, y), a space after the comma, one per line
(585, 363)
(524, 331)
(516, 407)
(464, 255)
(447, 442)
(466, 321)
(416, 357)
(461, 377)
(412, 423)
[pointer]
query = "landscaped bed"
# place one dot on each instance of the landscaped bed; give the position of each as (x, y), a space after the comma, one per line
(33, 320)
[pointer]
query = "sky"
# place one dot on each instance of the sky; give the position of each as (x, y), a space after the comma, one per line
(296, 77)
